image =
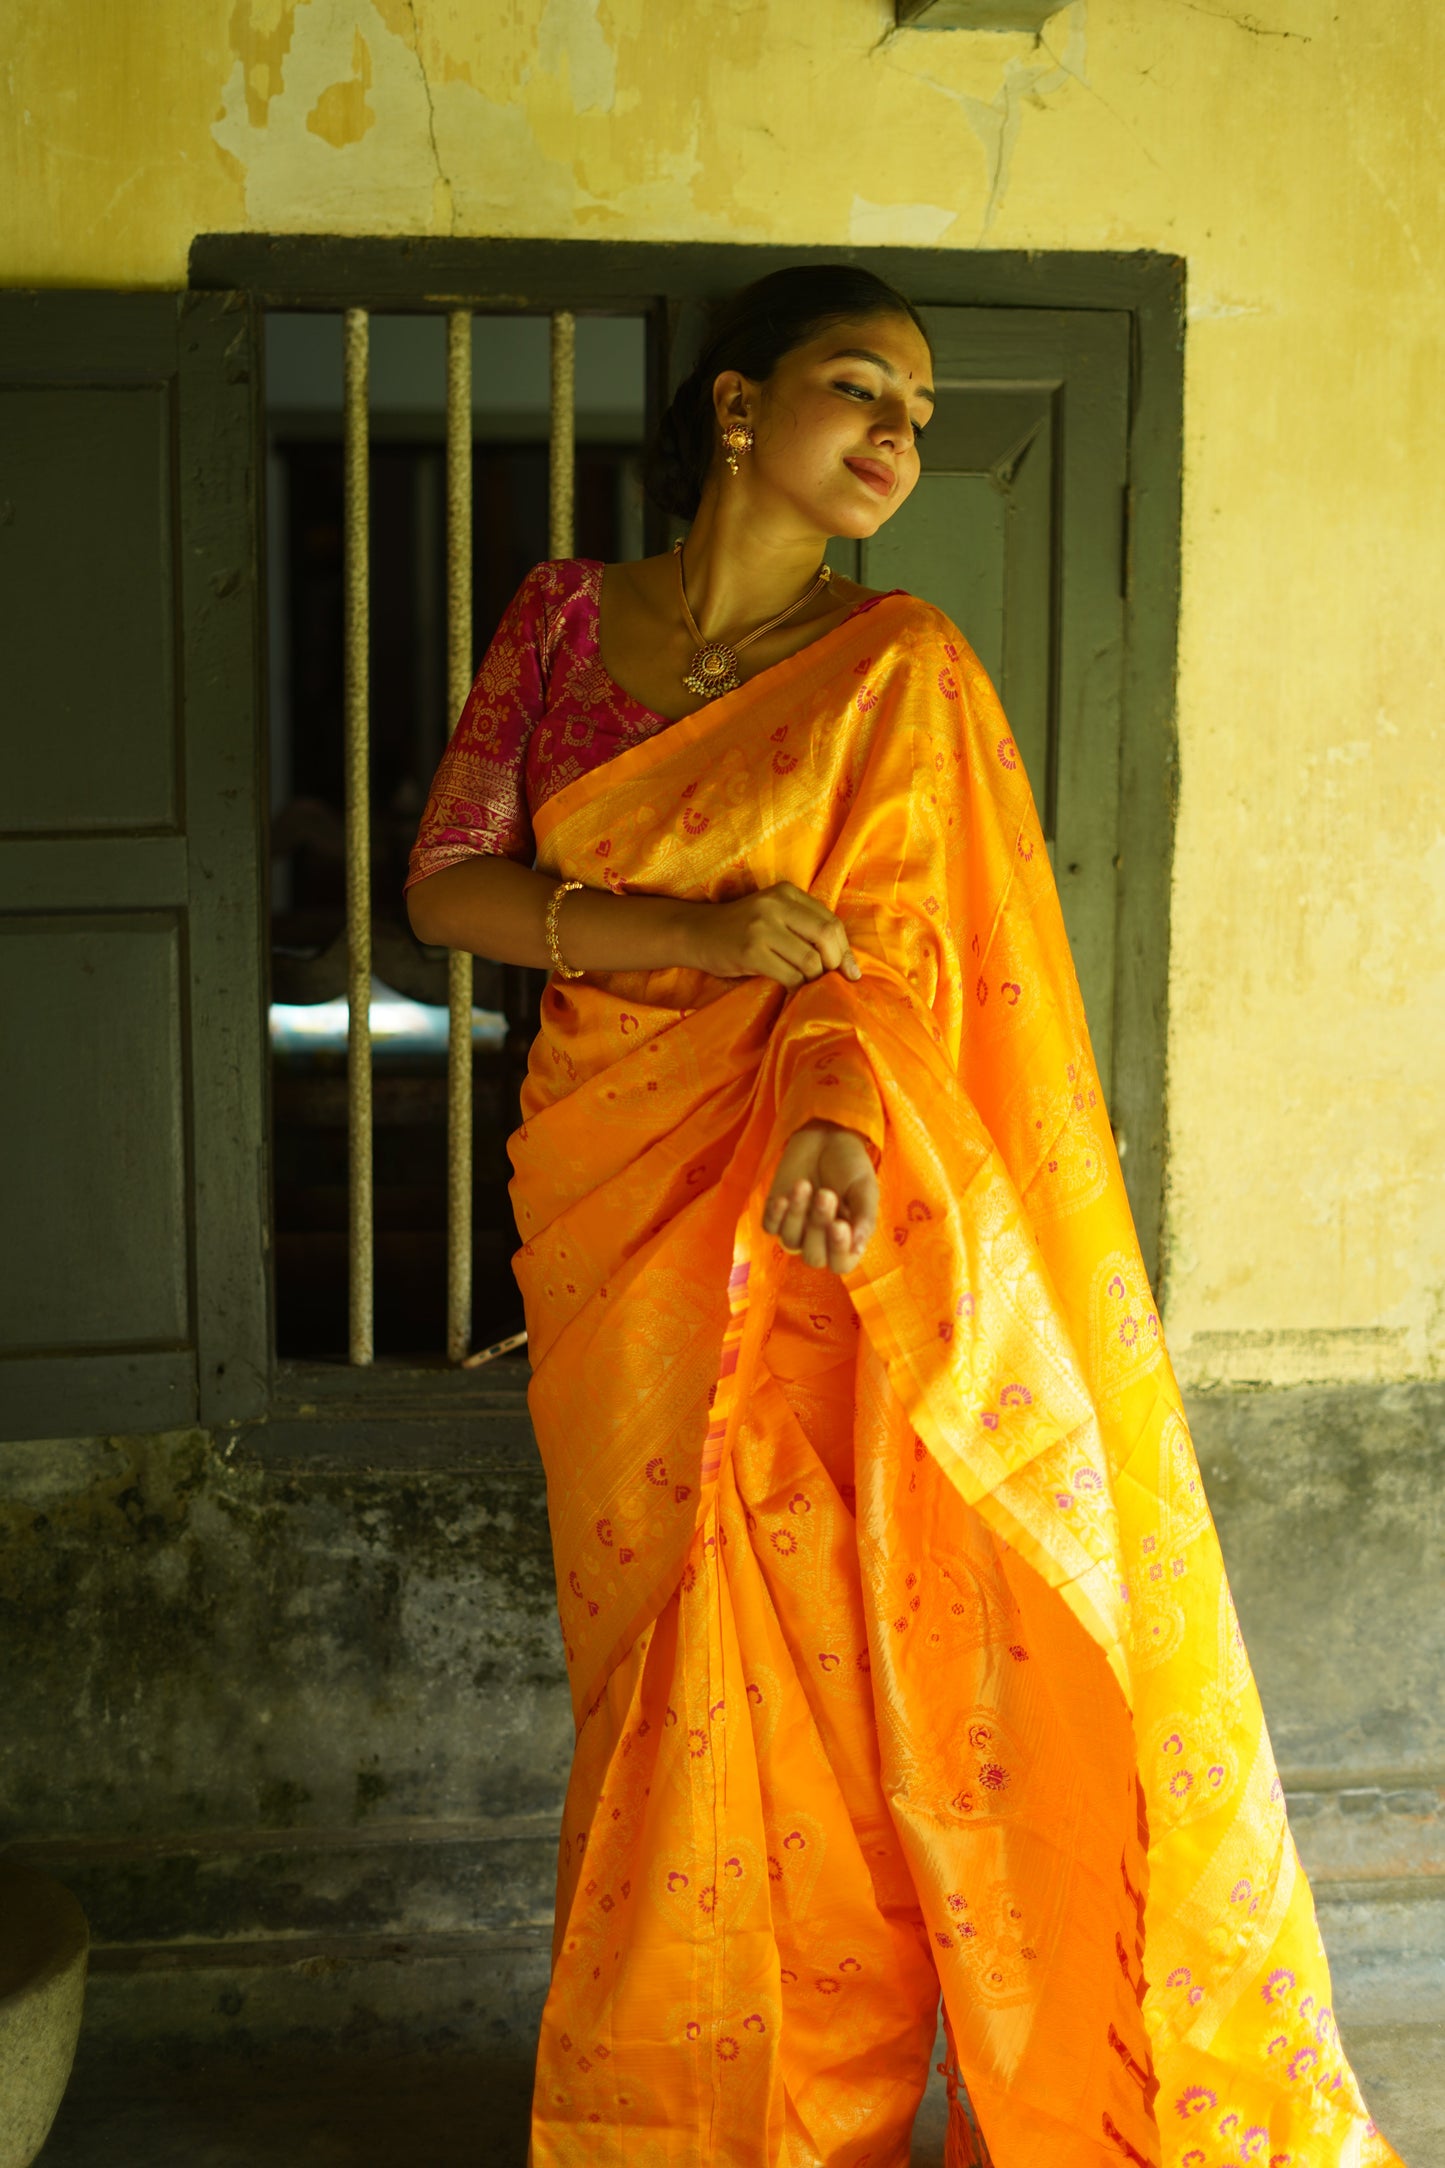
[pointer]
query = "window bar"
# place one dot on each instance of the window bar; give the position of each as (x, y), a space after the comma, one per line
(563, 439)
(360, 1212)
(459, 961)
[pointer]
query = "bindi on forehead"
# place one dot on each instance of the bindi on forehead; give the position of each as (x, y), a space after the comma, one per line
(880, 361)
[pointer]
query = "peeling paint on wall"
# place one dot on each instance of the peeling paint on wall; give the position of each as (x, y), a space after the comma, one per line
(571, 43)
(341, 114)
(897, 225)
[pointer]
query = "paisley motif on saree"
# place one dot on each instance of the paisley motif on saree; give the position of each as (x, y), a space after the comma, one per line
(899, 1639)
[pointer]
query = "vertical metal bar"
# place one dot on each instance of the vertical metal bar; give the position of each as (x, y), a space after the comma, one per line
(563, 464)
(459, 962)
(361, 1223)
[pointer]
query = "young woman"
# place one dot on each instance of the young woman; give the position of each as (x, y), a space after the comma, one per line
(900, 1646)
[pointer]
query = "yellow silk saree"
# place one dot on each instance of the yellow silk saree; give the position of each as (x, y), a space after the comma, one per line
(900, 1646)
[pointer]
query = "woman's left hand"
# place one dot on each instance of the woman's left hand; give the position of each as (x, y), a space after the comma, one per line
(824, 1198)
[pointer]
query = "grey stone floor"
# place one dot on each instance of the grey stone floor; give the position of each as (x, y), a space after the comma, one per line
(468, 2114)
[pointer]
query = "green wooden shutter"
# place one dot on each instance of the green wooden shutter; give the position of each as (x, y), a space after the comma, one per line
(1015, 529)
(133, 1284)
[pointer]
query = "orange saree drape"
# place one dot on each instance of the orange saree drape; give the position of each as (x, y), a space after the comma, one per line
(898, 1633)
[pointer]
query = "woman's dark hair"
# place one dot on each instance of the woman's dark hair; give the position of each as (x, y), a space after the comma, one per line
(751, 332)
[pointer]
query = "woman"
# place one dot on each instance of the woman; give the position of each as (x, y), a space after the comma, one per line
(900, 1646)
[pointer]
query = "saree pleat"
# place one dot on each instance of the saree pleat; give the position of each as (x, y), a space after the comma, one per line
(901, 1651)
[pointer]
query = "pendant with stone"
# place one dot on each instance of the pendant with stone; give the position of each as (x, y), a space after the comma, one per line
(713, 670)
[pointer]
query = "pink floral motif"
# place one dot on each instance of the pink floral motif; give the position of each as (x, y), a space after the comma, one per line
(1008, 753)
(1016, 1396)
(867, 699)
(948, 684)
(754, 2023)
(785, 1541)
(676, 1882)
(826, 1986)
(657, 1473)
(1279, 1985)
(1196, 2100)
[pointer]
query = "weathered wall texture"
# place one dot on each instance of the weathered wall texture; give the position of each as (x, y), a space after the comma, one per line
(287, 1710)
(1289, 152)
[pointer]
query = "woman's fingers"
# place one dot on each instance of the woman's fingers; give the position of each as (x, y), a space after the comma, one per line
(789, 1230)
(821, 1219)
(806, 921)
(795, 949)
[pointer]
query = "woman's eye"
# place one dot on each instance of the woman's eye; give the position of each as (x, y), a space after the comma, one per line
(860, 391)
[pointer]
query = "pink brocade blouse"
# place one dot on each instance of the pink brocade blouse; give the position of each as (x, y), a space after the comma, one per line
(541, 712)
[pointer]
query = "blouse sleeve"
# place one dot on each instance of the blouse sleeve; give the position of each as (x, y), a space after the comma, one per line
(477, 805)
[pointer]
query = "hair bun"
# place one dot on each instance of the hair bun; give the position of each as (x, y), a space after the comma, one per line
(670, 470)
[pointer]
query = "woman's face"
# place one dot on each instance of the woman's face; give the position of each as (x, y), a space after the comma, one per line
(836, 425)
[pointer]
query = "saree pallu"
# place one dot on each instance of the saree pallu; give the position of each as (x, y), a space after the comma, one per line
(900, 1646)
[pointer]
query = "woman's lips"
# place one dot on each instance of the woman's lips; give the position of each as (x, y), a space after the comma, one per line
(877, 476)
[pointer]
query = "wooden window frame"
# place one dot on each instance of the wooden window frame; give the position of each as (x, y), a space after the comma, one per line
(664, 282)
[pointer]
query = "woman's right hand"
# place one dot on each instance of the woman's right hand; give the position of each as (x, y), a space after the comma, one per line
(779, 933)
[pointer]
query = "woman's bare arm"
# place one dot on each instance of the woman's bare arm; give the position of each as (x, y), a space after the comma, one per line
(498, 908)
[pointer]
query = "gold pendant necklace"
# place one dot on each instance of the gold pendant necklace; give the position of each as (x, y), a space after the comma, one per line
(714, 668)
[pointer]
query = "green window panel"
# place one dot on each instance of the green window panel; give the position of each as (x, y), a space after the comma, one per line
(132, 1110)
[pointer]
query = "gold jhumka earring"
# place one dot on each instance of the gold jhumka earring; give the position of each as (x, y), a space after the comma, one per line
(737, 438)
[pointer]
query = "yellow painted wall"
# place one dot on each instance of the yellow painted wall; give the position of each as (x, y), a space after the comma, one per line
(1291, 155)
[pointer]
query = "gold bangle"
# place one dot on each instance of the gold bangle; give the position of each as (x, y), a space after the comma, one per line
(563, 971)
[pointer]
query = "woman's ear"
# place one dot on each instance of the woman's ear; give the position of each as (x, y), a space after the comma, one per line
(731, 398)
